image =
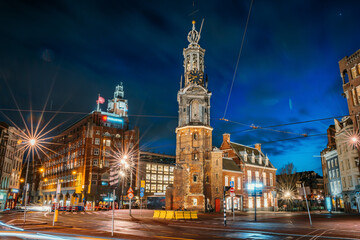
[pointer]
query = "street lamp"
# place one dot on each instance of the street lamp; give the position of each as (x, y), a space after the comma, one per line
(254, 189)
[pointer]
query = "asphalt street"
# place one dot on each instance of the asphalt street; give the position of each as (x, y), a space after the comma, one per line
(81, 225)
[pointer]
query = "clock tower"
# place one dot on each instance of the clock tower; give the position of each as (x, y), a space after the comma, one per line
(193, 134)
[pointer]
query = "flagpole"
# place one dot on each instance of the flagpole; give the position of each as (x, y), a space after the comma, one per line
(98, 103)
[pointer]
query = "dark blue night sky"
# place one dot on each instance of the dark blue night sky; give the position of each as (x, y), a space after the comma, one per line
(288, 71)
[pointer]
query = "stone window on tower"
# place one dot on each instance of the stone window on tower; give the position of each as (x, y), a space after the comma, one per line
(195, 136)
(195, 156)
(355, 98)
(195, 111)
(207, 178)
(194, 202)
(195, 178)
(353, 72)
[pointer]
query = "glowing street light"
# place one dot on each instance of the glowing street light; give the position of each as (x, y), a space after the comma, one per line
(74, 172)
(287, 194)
(21, 180)
(32, 142)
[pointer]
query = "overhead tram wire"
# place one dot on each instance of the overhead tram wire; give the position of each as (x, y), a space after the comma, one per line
(238, 59)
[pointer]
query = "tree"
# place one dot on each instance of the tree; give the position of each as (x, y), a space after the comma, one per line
(286, 184)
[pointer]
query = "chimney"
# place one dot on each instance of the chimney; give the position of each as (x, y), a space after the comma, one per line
(258, 146)
(226, 137)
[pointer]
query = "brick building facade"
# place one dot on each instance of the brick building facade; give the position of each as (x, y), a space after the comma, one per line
(82, 156)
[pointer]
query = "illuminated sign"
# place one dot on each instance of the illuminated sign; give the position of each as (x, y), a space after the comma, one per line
(328, 203)
(108, 199)
(106, 118)
(253, 186)
(104, 183)
(14, 190)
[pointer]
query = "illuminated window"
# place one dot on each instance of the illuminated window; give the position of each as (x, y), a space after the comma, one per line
(147, 187)
(251, 205)
(97, 141)
(249, 176)
(106, 163)
(264, 178)
(153, 168)
(257, 177)
(271, 180)
(153, 187)
(166, 169)
(258, 202)
(165, 186)
(238, 183)
(171, 178)
(160, 168)
(265, 200)
(171, 169)
(160, 177)
(148, 177)
(148, 167)
(153, 177)
(226, 181)
(159, 188)
(166, 178)
(108, 142)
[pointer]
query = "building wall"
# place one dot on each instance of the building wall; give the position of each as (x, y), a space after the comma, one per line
(11, 157)
(82, 159)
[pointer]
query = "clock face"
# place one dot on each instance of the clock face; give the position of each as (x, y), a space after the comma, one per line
(196, 76)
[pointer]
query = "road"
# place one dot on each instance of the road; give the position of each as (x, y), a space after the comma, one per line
(209, 226)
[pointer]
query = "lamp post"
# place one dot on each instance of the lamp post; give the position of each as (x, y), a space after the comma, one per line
(32, 144)
(254, 189)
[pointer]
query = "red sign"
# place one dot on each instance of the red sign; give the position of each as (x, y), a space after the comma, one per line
(232, 189)
(130, 190)
(130, 195)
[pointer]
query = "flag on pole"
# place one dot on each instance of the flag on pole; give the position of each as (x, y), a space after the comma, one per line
(100, 100)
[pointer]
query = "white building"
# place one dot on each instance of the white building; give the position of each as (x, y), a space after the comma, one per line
(349, 164)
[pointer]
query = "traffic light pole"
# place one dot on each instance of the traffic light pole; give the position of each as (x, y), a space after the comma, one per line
(255, 200)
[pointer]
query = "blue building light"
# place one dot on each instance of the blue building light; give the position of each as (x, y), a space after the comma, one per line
(106, 118)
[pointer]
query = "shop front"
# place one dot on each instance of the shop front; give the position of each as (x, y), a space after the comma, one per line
(12, 198)
(3, 196)
(237, 201)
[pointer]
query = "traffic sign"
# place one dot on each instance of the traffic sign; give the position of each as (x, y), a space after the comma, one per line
(130, 195)
(142, 183)
(232, 184)
(232, 194)
(232, 189)
(141, 194)
(130, 190)
(142, 189)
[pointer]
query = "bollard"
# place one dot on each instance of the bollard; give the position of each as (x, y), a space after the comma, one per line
(56, 215)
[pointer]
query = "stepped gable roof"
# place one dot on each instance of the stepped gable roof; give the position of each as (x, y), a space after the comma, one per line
(238, 148)
(229, 164)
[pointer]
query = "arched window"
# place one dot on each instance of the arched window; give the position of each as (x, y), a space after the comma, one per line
(345, 77)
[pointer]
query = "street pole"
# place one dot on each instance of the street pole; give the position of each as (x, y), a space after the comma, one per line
(255, 200)
(224, 209)
(122, 191)
(130, 187)
(113, 207)
(26, 188)
(140, 205)
(307, 205)
(232, 201)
